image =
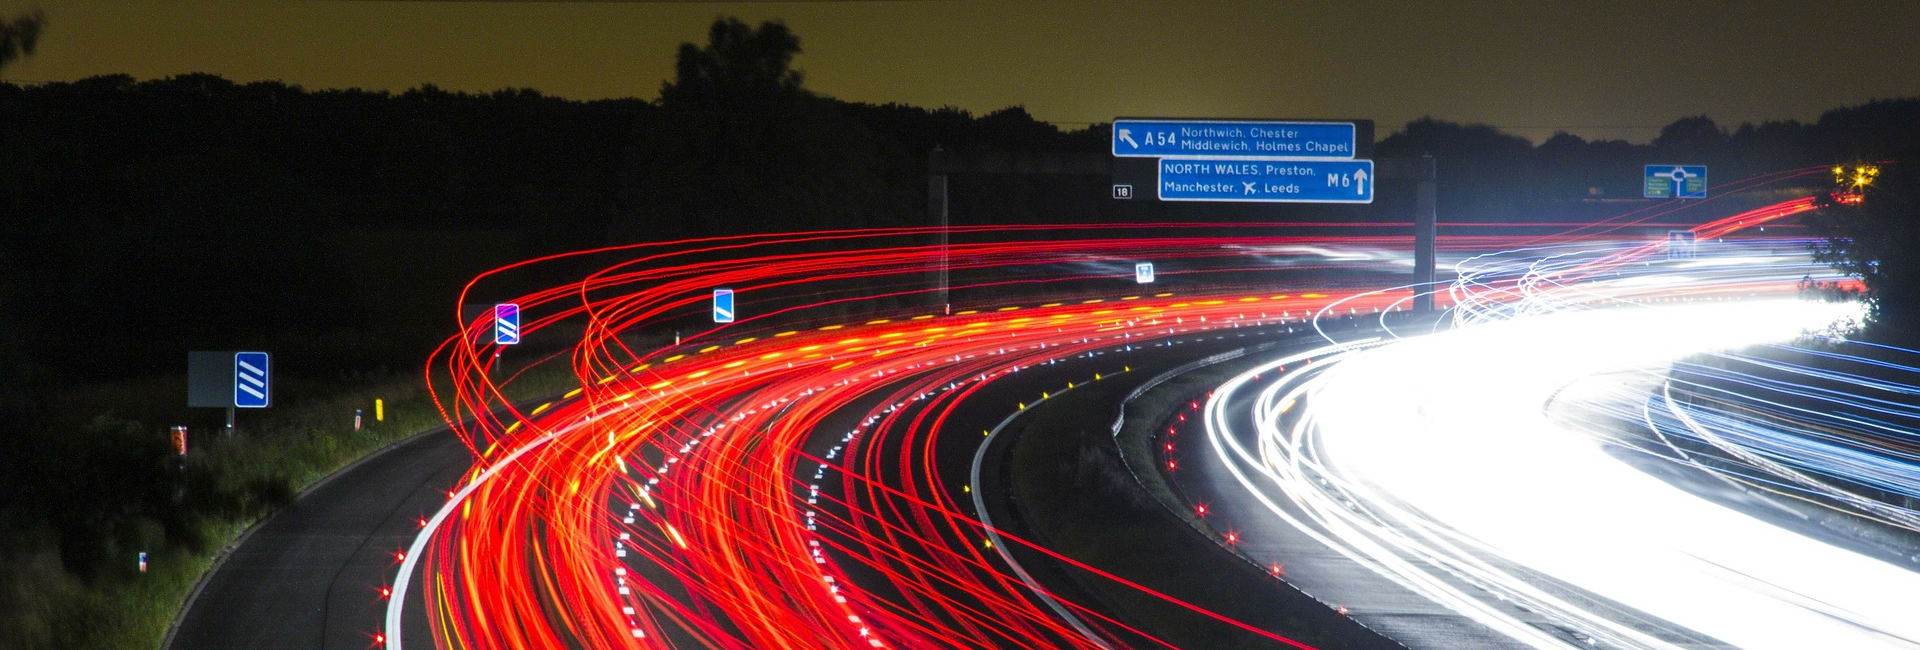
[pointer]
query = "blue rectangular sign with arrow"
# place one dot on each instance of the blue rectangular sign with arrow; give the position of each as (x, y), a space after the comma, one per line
(722, 305)
(250, 389)
(1268, 181)
(1232, 139)
(506, 324)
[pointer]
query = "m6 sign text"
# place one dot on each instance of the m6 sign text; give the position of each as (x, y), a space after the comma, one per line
(1269, 181)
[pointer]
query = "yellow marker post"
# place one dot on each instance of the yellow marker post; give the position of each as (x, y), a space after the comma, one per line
(379, 410)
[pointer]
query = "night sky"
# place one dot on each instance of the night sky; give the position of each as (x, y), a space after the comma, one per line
(1601, 69)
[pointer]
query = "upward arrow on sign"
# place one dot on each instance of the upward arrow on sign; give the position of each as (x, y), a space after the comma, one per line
(1360, 182)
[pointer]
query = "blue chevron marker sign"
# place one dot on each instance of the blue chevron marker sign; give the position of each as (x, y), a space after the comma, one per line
(722, 305)
(506, 324)
(250, 376)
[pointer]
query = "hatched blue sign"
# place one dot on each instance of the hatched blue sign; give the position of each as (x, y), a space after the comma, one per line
(722, 305)
(250, 389)
(506, 324)
(1268, 181)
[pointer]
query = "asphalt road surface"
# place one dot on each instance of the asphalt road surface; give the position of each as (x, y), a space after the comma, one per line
(310, 577)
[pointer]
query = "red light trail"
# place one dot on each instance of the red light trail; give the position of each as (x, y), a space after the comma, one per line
(786, 486)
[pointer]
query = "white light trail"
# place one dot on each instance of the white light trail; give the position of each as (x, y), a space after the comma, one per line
(1436, 461)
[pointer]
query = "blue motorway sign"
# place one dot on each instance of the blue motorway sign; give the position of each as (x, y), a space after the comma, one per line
(506, 324)
(722, 305)
(250, 390)
(1236, 139)
(1143, 272)
(1680, 244)
(1269, 181)
(1675, 182)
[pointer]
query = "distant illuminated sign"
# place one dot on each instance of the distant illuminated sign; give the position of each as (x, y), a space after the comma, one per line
(1680, 244)
(1143, 272)
(1675, 182)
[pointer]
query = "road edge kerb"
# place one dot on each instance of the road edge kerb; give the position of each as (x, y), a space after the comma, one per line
(179, 615)
(166, 642)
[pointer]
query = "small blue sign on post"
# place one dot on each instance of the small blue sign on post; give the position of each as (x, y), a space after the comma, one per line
(1680, 244)
(1143, 272)
(1675, 182)
(250, 376)
(722, 305)
(506, 324)
(1134, 138)
(1266, 181)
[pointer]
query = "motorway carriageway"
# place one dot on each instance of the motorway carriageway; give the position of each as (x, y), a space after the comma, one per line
(1448, 465)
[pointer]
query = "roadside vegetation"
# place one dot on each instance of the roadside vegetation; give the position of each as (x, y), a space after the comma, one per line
(110, 486)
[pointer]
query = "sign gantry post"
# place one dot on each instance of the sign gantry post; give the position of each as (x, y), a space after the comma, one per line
(1273, 161)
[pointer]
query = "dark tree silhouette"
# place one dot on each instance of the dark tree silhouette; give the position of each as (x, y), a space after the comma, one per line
(739, 64)
(19, 36)
(1698, 132)
(1876, 241)
(740, 146)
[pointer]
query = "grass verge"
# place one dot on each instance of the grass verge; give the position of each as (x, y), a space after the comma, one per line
(69, 577)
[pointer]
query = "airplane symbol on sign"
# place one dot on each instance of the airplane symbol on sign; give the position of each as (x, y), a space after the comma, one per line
(1249, 185)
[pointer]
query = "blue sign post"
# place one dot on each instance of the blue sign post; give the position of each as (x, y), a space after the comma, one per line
(1675, 182)
(1266, 181)
(1232, 138)
(1680, 244)
(722, 305)
(506, 324)
(1143, 272)
(250, 388)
